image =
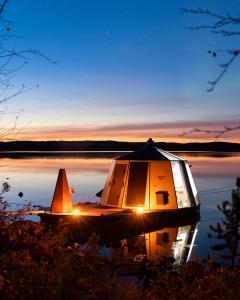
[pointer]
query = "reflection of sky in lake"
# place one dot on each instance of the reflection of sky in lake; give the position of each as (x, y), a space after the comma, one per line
(36, 176)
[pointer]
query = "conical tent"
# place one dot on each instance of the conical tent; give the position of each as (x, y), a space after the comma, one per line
(62, 201)
(150, 178)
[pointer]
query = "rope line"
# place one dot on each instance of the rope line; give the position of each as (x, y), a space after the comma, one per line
(209, 193)
(218, 188)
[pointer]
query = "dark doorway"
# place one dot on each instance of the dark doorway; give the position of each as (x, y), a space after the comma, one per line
(137, 184)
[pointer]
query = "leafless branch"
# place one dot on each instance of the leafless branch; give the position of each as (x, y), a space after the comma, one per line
(226, 33)
(233, 55)
(218, 133)
(221, 20)
(12, 60)
(2, 6)
(228, 26)
(20, 91)
(12, 130)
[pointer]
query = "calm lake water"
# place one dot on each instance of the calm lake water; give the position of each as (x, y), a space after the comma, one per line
(214, 174)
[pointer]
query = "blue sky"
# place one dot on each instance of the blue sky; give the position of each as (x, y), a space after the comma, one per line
(126, 70)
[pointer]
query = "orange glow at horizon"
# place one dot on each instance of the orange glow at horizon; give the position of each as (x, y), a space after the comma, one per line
(128, 138)
(175, 132)
(164, 132)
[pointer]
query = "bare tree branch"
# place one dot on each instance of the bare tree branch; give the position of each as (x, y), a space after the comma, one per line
(221, 20)
(218, 133)
(2, 6)
(224, 25)
(224, 66)
(12, 60)
(226, 33)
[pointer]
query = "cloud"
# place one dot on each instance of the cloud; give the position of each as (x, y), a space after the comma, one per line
(134, 131)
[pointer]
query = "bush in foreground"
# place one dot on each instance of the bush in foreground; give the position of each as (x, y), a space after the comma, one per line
(41, 264)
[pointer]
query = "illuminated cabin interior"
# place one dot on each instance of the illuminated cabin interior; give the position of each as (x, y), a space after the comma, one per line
(150, 178)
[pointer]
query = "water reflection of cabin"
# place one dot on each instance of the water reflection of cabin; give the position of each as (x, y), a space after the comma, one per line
(150, 178)
(175, 242)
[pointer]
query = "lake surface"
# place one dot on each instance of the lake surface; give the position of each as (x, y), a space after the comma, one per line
(214, 174)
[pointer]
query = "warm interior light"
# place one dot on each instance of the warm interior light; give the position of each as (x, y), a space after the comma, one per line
(139, 211)
(76, 212)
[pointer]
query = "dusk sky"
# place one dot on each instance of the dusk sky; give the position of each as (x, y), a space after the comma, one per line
(126, 70)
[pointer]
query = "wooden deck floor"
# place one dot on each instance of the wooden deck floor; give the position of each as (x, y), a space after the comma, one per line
(92, 210)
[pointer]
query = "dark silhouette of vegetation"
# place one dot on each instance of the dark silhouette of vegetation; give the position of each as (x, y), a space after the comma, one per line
(39, 262)
(228, 231)
(111, 146)
(3, 203)
(226, 25)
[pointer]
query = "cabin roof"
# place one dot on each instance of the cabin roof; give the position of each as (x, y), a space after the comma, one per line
(149, 152)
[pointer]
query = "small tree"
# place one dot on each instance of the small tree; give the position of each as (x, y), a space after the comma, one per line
(228, 231)
(3, 203)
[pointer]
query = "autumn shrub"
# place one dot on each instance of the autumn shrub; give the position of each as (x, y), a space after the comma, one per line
(196, 280)
(44, 262)
(36, 263)
(39, 263)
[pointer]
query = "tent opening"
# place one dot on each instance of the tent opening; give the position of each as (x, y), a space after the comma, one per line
(137, 184)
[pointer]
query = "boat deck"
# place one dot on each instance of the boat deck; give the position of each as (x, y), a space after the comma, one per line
(91, 210)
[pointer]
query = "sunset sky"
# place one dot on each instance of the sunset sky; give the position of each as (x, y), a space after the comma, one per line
(127, 70)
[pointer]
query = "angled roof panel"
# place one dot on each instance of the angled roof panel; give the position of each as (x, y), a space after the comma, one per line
(169, 155)
(148, 152)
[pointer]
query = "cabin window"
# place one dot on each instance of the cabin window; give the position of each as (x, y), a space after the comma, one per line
(180, 185)
(194, 190)
(116, 184)
(137, 184)
(162, 197)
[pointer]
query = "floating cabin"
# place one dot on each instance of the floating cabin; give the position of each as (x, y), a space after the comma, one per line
(143, 189)
(150, 179)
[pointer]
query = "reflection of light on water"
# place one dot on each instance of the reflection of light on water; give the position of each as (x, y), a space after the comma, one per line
(184, 243)
(180, 243)
(169, 242)
(85, 175)
(192, 243)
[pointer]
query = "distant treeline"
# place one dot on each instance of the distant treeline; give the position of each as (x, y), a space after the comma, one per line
(113, 146)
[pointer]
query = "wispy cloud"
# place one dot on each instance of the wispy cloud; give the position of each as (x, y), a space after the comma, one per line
(133, 131)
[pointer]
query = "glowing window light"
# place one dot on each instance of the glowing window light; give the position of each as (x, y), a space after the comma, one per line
(139, 211)
(76, 212)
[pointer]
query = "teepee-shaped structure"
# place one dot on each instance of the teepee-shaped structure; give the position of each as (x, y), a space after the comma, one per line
(62, 201)
(152, 179)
